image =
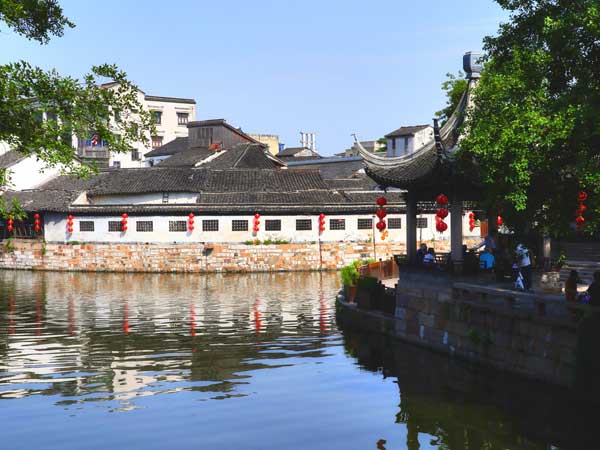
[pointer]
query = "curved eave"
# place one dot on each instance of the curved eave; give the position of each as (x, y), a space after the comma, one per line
(426, 164)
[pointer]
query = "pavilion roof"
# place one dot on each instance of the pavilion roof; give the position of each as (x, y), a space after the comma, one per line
(430, 166)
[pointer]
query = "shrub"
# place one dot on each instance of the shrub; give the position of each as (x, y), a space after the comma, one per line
(350, 275)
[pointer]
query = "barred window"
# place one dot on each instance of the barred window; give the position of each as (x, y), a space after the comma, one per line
(421, 222)
(365, 224)
(177, 225)
(114, 225)
(210, 225)
(303, 224)
(239, 225)
(182, 118)
(273, 225)
(86, 225)
(394, 223)
(337, 224)
(144, 226)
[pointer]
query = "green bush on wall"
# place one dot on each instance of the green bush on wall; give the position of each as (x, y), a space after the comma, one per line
(350, 275)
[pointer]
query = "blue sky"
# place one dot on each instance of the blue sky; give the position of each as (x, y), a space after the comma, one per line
(278, 67)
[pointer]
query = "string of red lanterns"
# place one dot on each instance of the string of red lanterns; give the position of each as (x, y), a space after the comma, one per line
(472, 223)
(70, 224)
(441, 213)
(381, 213)
(579, 219)
(321, 223)
(124, 218)
(36, 223)
(10, 223)
(256, 223)
(191, 222)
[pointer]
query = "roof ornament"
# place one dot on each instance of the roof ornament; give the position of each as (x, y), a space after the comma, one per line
(439, 145)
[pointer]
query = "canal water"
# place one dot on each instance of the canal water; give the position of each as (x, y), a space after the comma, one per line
(257, 362)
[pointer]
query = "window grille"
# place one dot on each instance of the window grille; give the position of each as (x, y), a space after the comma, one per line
(86, 225)
(114, 225)
(157, 141)
(394, 223)
(177, 225)
(303, 224)
(210, 225)
(182, 118)
(421, 222)
(273, 225)
(365, 224)
(337, 224)
(239, 225)
(144, 226)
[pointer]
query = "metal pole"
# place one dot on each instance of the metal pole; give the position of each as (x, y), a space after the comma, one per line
(373, 235)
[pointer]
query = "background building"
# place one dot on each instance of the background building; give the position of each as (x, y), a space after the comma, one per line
(406, 140)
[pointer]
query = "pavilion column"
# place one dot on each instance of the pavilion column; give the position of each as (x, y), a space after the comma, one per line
(456, 235)
(411, 226)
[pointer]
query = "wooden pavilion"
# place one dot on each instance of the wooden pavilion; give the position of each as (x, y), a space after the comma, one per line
(432, 169)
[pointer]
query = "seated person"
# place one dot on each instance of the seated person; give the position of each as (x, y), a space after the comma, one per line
(571, 286)
(429, 258)
(487, 260)
(421, 253)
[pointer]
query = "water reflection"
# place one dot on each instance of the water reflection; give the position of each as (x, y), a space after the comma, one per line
(253, 362)
(100, 338)
(448, 404)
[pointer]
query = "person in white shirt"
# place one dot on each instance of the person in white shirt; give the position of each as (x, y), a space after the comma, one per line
(524, 261)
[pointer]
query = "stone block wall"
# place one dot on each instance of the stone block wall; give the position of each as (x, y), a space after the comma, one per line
(479, 328)
(197, 257)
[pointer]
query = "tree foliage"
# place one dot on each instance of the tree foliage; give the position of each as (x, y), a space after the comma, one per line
(41, 111)
(34, 19)
(454, 86)
(535, 129)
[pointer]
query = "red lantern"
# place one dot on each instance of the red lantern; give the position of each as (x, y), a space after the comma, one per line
(381, 225)
(191, 216)
(321, 223)
(442, 213)
(37, 228)
(441, 200)
(36, 216)
(582, 196)
(581, 209)
(381, 213)
(580, 221)
(499, 221)
(441, 226)
(381, 201)
(256, 223)
(124, 222)
(124, 216)
(472, 215)
(9, 228)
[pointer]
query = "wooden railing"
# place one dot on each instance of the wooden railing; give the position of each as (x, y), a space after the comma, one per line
(381, 270)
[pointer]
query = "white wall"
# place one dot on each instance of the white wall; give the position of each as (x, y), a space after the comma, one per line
(408, 144)
(145, 199)
(56, 227)
(30, 173)
(169, 129)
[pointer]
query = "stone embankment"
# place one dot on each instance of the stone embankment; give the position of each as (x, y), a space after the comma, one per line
(531, 335)
(36, 255)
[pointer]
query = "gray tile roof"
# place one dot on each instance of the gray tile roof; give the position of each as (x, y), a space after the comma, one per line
(170, 148)
(10, 158)
(331, 168)
(240, 156)
(406, 131)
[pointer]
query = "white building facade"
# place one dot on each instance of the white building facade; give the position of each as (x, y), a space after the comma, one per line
(405, 140)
